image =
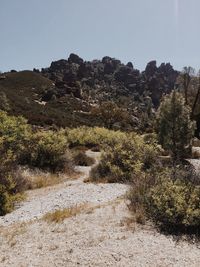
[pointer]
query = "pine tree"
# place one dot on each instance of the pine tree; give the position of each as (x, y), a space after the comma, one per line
(174, 126)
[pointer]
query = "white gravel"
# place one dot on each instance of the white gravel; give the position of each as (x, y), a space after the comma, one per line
(98, 239)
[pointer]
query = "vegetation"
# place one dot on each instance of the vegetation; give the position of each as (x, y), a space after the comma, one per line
(174, 205)
(60, 215)
(166, 193)
(21, 93)
(130, 155)
(36, 178)
(13, 137)
(46, 150)
(170, 196)
(174, 127)
(110, 114)
(81, 159)
(11, 182)
(93, 136)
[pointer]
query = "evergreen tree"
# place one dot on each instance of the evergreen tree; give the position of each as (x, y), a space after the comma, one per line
(174, 126)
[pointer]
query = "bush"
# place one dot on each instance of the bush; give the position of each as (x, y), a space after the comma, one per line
(19, 145)
(175, 205)
(10, 182)
(109, 113)
(81, 159)
(5, 201)
(168, 196)
(14, 136)
(48, 150)
(128, 157)
(90, 137)
(15, 133)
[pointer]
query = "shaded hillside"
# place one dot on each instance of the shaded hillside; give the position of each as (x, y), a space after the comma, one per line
(72, 92)
(21, 93)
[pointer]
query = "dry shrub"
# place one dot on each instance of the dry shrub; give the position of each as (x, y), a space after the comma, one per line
(137, 195)
(81, 159)
(37, 179)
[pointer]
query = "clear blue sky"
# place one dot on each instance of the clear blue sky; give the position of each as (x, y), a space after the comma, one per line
(35, 32)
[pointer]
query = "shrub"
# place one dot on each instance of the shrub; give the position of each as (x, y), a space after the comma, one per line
(171, 199)
(90, 137)
(18, 144)
(137, 197)
(15, 133)
(175, 205)
(37, 179)
(81, 159)
(109, 113)
(130, 156)
(10, 182)
(48, 150)
(5, 201)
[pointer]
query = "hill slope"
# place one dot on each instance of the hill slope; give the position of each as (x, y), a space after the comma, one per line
(67, 92)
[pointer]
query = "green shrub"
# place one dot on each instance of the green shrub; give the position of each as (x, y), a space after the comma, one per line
(19, 145)
(15, 133)
(48, 150)
(90, 137)
(11, 183)
(129, 156)
(174, 205)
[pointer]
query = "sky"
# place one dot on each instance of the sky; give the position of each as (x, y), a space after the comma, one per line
(35, 32)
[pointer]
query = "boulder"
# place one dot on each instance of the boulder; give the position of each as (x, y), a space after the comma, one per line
(73, 58)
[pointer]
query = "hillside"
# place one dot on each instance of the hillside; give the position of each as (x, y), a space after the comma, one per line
(70, 92)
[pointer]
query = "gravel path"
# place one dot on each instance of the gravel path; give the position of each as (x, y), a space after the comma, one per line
(97, 239)
(103, 236)
(70, 194)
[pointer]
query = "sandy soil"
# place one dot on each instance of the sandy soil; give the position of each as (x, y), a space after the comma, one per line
(103, 235)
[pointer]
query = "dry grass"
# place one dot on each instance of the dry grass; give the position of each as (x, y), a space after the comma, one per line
(90, 180)
(59, 216)
(38, 179)
(11, 233)
(43, 180)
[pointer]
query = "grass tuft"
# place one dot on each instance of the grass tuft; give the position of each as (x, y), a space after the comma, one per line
(59, 216)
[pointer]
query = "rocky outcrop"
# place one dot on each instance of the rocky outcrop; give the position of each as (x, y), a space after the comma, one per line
(71, 89)
(108, 79)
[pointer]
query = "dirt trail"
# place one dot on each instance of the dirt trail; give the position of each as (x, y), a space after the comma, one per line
(102, 236)
(67, 194)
